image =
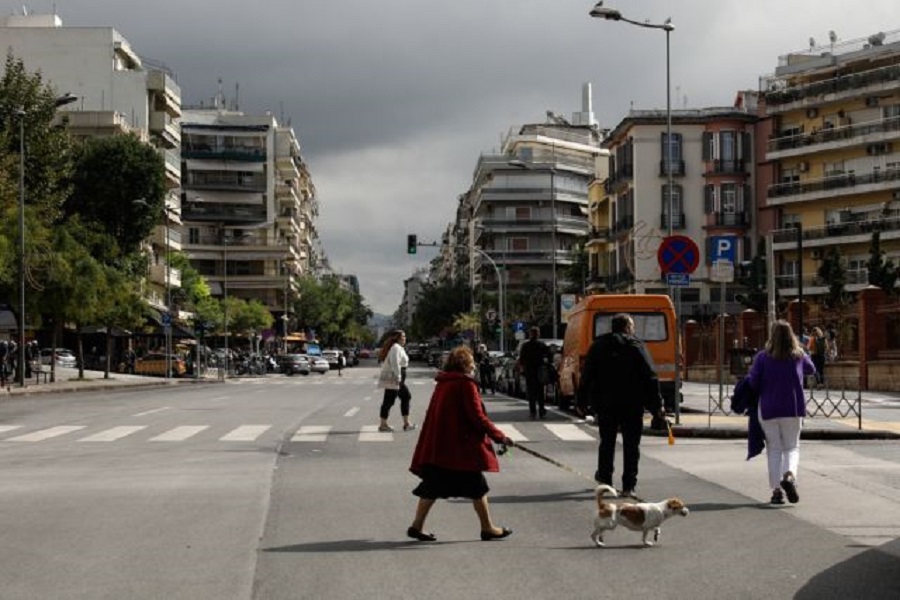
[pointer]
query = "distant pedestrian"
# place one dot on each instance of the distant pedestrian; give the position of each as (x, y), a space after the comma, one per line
(454, 449)
(392, 378)
(534, 356)
(4, 364)
(818, 350)
(486, 370)
(618, 382)
(341, 362)
(777, 375)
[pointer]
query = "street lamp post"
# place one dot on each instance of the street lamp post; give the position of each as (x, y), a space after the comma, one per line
(21, 113)
(167, 325)
(552, 169)
(225, 243)
(500, 300)
(611, 14)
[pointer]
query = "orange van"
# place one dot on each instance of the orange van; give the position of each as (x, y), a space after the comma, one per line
(654, 324)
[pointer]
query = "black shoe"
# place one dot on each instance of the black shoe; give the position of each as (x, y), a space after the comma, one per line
(487, 536)
(777, 497)
(542, 414)
(422, 536)
(790, 488)
(628, 493)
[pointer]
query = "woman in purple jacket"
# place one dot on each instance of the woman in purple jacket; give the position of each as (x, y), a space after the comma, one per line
(777, 374)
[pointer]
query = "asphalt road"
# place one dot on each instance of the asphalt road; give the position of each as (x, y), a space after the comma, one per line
(271, 488)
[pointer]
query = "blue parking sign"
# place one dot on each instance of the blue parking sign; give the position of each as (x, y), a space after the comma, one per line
(723, 247)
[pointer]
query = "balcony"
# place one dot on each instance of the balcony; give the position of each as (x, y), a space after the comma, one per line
(158, 237)
(832, 138)
(677, 169)
(725, 167)
(166, 127)
(848, 231)
(225, 212)
(172, 160)
(598, 236)
(723, 219)
(203, 152)
(158, 275)
(839, 184)
(813, 284)
(678, 221)
(833, 89)
(232, 181)
(624, 224)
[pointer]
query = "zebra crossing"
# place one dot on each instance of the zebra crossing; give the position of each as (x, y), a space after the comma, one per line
(319, 433)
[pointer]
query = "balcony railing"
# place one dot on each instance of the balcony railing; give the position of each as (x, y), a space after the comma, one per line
(723, 219)
(232, 153)
(678, 221)
(855, 81)
(725, 167)
(218, 211)
(626, 223)
(846, 228)
(677, 169)
(855, 277)
(844, 180)
(599, 233)
(226, 181)
(833, 134)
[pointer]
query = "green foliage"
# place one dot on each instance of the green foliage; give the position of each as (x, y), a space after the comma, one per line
(833, 273)
(438, 304)
(336, 314)
(576, 274)
(882, 273)
(120, 184)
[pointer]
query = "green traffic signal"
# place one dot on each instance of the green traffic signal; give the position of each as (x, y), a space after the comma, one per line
(411, 244)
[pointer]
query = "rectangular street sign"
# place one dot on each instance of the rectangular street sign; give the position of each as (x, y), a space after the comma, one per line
(722, 271)
(678, 279)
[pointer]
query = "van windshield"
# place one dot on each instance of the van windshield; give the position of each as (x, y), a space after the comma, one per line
(649, 327)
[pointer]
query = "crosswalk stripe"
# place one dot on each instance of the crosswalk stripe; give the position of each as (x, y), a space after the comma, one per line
(45, 434)
(245, 433)
(5, 428)
(111, 435)
(352, 411)
(569, 433)
(311, 433)
(370, 433)
(179, 434)
(511, 432)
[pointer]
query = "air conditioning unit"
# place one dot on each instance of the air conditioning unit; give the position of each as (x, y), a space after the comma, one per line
(895, 195)
(817, 254)
(812, 113)
(804, 167)
(871, 100)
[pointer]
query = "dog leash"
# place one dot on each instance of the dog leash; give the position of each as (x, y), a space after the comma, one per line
(504, 449)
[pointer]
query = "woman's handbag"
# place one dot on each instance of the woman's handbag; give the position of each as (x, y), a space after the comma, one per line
(403, 393)
(387, 378)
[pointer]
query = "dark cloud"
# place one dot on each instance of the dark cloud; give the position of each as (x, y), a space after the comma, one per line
(394, 100)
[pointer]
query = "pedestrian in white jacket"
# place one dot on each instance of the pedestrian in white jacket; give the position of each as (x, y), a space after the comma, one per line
(392, 378)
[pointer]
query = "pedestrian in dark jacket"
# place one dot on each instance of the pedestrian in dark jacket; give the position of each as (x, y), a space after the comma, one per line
(454, 448)
(534, 356)
(618, 382)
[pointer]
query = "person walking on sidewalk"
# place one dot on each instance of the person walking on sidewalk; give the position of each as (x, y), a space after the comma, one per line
(392, 378)
(533, 360)
(817, 352)
(454, 449)
(618, 382)
(777, 375)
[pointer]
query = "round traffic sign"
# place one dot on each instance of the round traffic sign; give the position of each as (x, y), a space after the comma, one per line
(678, 254)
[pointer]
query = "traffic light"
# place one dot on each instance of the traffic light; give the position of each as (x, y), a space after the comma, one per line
(411, 243)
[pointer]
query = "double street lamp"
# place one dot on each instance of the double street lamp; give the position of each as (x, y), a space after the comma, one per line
(552, 170)
(22, 113)
(501, 304)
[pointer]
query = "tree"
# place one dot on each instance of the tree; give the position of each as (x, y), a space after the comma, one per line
(437, 306)
(332, 311)
(577, 273)
(119, 183)
(833, 273)
(882, 273)
(752, 275)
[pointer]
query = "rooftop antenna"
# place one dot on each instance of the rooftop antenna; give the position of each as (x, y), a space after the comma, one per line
(812, 43)
(237, 93)
(832, 37)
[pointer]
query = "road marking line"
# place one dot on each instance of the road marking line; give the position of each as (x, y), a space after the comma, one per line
(245, 433)
(511, 432)
(5, 428)
(45, 434)
(311, 433)
(366, 398)
(111, 435)
(352, 411)
(150, 412)
(370, 433)
(179, 434)
(569, 433)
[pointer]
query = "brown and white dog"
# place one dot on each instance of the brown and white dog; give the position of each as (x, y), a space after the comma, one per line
(641, 516)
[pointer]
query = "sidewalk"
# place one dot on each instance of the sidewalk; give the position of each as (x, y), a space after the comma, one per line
(702, 416)
(67, 380)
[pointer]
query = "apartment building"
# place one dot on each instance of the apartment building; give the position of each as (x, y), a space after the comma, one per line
(118, 92)
(248, 205)
(831, 126)
(709, 159)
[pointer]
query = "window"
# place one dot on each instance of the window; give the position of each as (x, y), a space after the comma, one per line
(523, 213)
(193, 235)
(727, 146)
(517, 244)
(649, 327)
(671, 151)
(729, 198)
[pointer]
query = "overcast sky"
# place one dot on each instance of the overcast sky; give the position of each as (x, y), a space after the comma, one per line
(394, 100)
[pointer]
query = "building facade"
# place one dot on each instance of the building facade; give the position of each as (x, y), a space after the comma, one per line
(831, 159)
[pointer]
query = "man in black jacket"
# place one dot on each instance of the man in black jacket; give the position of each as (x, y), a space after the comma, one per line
(533, 358)
(618, 382)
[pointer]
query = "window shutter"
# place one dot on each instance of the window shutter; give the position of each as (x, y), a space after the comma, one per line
(707, 142)
(746, 147)
(708, 200)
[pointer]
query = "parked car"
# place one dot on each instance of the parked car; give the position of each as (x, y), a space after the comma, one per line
(293, 363)
(64, 357)
(331, 355)
(318, 364)
(155, 364)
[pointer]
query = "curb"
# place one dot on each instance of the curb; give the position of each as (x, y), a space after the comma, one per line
(90, 386)
(806, 434)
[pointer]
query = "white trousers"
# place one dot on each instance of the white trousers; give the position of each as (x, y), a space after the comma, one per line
(782, 446)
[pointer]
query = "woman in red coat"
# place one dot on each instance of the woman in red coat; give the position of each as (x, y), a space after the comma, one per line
(454, 448)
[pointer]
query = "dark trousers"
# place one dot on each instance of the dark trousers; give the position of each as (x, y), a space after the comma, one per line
(389, 397)
(819, 363)
(631, 428)
(534, 391)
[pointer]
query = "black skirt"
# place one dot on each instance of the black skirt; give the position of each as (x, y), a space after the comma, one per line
(447, 483)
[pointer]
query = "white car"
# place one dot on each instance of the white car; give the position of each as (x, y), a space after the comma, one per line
(332, 356)
(318, 364)
(64, 357)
